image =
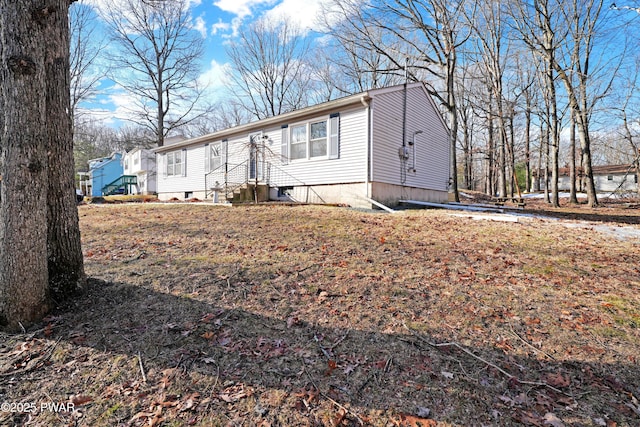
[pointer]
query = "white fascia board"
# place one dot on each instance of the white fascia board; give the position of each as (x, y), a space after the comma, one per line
(270, 121)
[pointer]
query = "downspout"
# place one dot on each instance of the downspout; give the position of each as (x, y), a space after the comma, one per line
(365, 100)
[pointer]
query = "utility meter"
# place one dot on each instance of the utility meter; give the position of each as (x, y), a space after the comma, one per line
(403, 152)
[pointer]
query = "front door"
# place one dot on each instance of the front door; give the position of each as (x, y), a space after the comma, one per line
(256, 156)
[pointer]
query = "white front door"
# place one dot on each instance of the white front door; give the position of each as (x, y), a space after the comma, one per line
(256, 155)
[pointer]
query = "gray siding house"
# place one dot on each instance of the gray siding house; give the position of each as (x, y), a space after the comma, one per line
(383, 145)
(606, 178)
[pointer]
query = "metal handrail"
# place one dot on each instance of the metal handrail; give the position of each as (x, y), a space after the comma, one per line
(121, 182)
(226, 178)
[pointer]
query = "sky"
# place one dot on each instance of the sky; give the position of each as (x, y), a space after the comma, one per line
(218, 21)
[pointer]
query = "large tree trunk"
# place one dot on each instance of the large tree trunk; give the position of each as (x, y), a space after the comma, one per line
(573, 197)
(23, 164)
(453, 131)
(585, 143)
(527, 149)
(66, 273)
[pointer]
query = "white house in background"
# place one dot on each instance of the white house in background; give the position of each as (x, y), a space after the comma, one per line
(141, 163)
(606, 178)
(384, 145)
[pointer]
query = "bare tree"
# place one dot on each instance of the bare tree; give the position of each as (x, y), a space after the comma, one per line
(628, 107)
(225, 114)
(428, 35)
(568, 36)
(466, 90)
(270, 72)
(86, 48)
(493, 51)
(350, 65)
(539, 25)
(35, 162)
(65, 263)
(526, 72)
(23, 159)
(157, 61)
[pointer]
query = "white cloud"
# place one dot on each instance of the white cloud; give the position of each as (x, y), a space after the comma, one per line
(220, 27)
(304, 14)
(200, 26)
(241, 8)
(215, 79)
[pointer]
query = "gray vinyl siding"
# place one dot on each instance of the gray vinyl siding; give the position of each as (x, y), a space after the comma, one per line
(349, 167)
(193, 177)
(374, 130)
(432, 150)
(618, 182)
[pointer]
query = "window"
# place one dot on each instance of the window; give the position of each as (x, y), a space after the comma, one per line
(174, 163)
(609, 177)
(298, 142)
(318, 140)
(136, 158)
(284, 191)
(312, 140)
(215, 156)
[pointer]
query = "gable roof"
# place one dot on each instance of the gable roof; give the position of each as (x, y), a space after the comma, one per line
(102, 161)
(362, 98)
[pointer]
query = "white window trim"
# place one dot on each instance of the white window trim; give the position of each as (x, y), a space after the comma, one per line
(292, 143)
(307, 124)
(183, 164)
(208, 155)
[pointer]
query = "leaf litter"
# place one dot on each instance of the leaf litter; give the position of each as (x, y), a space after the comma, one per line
(308, 315)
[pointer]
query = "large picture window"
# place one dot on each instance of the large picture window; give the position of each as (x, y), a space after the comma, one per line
(174, 163)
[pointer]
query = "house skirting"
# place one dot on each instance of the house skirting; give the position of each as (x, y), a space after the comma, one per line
(182, 195)
(354, 194)
(390, 194)
(348, 194)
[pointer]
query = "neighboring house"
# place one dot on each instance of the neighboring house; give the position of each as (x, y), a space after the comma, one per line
(607, 178)
(141, 163)
(104, 171)
(384, 144)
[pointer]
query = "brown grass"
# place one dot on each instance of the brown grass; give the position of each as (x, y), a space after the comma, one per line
(308, 315)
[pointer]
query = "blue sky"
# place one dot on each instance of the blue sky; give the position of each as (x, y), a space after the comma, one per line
(218, 21)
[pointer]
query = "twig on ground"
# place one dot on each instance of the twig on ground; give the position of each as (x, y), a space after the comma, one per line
(328, 350)
(34, 363)
(304, 367)
(324, 350)
(144, 376)
(486, 362)
(335, 344)
(530, 345)
(135, 258)
(347, 410)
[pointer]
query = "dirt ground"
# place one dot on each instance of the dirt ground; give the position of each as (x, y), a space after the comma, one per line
(276, 315)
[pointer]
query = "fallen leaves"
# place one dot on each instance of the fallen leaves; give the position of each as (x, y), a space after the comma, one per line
(235, 392)
(244, 321)
(556, 379)
(406, 420)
